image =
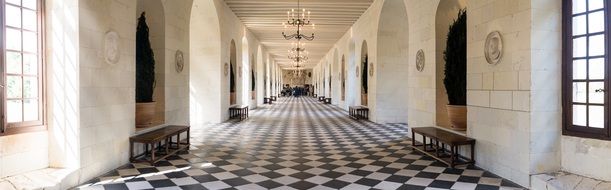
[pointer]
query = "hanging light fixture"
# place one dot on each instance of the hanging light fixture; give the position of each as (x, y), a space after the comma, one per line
(298, 21)
(298, 53)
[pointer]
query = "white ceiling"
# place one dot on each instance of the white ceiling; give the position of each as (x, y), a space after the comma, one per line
(264, 18)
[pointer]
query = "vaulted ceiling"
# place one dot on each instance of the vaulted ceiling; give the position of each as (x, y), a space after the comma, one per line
(332, 18)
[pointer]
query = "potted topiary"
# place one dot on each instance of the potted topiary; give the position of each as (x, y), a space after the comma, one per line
(252, 84)
(455, 80)
(232, 96)
(364, 82)
(145, 75)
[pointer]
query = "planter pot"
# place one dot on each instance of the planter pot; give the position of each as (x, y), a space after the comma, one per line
(364, 99)
(232, 98)
(458, 117)
(145, 113)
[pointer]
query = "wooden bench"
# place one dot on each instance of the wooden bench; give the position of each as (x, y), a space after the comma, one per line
(238, 112)
(267, 101)
(327, 101)
(321, 98)
(274, 98)
(359, 112)
(154, 140)
(439, 152)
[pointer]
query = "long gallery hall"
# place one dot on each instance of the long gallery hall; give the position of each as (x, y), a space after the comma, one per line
(305, 94)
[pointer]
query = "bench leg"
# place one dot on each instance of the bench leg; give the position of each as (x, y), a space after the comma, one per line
(453, 155)
(473, 153)
(131, 151)
(413, 140)
(424, 143)
(188, 138)
(146, 149)
(152, 153)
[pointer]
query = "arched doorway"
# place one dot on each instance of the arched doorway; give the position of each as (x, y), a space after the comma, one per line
(232, 73)
(447, 12)
(364, 77)
(389, 74)
(155, 19)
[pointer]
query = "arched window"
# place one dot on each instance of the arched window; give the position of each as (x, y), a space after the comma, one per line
(21, 84)
(586, 68)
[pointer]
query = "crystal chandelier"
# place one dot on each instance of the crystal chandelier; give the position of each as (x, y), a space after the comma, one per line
(298, 21)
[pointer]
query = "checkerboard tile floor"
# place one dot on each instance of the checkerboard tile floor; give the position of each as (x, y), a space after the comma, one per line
(299, 143)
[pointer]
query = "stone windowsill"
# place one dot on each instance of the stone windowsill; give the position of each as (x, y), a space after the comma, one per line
(564, 180)
(48, 178)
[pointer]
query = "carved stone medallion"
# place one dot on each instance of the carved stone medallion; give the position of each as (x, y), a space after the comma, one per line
(226, 69)
(371, 69)
(180, 61)
(420, 61)
(493, 49)
(112, 54)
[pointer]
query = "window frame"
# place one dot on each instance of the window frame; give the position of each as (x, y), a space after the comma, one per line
(28, 126)
(568, 128)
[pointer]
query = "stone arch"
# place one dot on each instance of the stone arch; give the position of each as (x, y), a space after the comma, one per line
(244, 74)
(259, 74)
(390, 73)
(352, 77)
(447, 11)
(335, 75)
(206, 68)
(155, 19)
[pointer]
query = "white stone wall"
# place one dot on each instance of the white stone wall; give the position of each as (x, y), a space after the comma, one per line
(177, 84)
(505, 114)
(23, 152)
(501, 127)
(107, 91)
(587, 157)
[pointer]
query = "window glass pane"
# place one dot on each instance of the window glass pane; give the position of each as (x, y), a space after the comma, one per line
(596, 22)
(30, 21)
(14, 111)
(579, 6)
(579, 25)
(579, 47)
(13, 85)
(13, 16)
(597, 93)
(579, 69)
(13, 62)
(579, 92)
(596, 45)
(30, 110)
(30, 64)
(14, 2)
(595, 4)
(579, 115)
(13, 39)
(596, 117)
(30, 42)
(597, 69)
(30, 87)
(30, 4)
